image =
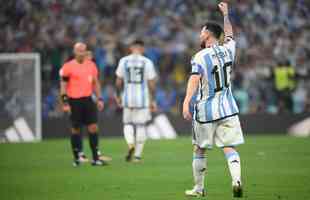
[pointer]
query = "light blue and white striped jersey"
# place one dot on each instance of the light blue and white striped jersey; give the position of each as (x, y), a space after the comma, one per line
(214, 96)
(136, 70)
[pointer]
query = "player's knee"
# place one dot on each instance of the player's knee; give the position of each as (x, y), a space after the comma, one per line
(199, 151)
(92, 128)
(227, 150)
(128, 129)
(75, 130)
(141, 134)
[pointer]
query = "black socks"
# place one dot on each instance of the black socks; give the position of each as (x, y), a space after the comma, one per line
(75, 138)
(93, 143)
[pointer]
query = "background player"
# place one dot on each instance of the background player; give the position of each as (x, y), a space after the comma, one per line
(215, 117)
(79, 78)
(136, 76)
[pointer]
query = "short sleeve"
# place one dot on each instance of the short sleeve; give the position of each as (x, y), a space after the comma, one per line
(151, 72)
(196, 66)
(120, 69)
(230, 45)
(64, 71)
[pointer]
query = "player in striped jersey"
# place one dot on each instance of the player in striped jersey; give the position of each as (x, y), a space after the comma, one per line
(136, 76)
(215, 118)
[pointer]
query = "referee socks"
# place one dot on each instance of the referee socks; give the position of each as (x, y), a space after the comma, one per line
(75, 145)
(93, 143)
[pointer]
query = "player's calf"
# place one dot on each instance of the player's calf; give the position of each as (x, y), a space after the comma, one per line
(130, 153)
(234, 165)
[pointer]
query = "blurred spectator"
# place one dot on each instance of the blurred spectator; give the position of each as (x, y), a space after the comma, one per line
(284, 78)
(265, 30)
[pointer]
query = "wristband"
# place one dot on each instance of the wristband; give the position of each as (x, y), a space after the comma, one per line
(64, 99)
(100, 99)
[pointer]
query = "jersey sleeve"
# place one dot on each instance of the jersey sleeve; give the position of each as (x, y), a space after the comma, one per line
(65, 71)
(150, 72)
(120, 69)
(197, 64)
(230, 45)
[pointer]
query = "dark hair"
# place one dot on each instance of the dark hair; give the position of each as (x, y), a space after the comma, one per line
(137, 42)
(214, 28)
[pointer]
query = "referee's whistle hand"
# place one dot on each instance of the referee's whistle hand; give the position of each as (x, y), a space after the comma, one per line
(100, 105)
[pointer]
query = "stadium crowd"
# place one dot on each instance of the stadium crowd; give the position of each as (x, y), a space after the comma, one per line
(268, 33)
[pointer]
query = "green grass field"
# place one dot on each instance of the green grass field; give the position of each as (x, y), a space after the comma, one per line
(273, 167)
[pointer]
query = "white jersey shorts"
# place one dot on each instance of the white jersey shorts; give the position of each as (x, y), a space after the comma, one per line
(136, 116)
(222, 133)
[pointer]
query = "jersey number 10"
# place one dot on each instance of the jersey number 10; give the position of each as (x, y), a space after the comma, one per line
(222, 82)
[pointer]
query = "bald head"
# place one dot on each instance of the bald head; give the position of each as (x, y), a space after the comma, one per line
(79, 50)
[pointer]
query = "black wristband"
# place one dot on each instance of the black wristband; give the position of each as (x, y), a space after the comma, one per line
(64, 99)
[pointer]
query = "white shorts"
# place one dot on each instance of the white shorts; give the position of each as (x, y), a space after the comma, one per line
(136, 116)
(224, 133)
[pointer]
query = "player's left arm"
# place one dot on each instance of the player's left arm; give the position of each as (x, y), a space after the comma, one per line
(192, 86)
(152, 88)
(152, 81)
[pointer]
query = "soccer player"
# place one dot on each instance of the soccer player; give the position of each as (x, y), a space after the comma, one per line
(136, 76)
(79, 79)
(215, 118)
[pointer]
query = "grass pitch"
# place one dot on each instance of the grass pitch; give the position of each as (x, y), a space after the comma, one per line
(273, 167)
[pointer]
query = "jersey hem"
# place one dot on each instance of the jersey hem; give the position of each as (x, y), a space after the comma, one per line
(195, 73)
(205, 122)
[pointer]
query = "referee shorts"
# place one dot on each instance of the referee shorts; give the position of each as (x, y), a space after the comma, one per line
(83, 111)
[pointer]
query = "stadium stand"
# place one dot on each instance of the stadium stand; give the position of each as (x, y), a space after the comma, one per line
(268, 32)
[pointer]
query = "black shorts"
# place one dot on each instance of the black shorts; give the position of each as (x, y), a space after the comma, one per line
(83, 111)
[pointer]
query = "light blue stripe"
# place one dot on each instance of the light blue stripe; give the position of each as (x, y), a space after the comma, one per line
(209, 73)
(126, 85)
(231, 154)
(208, 106)
(223, 106)
(230, 55)
(231, 101)
(197, 68)
(235, 105)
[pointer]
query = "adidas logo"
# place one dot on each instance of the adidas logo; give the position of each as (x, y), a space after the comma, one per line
(19, 132)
